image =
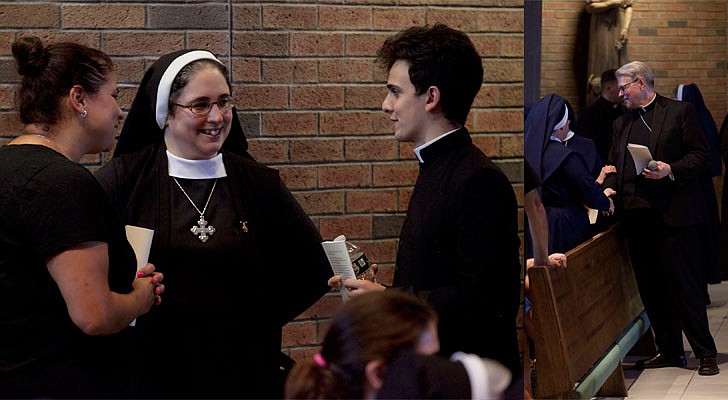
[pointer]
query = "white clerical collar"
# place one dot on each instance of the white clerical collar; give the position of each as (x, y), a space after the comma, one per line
(566, 139)
(644, 108)
(196, 169)
(419, 148)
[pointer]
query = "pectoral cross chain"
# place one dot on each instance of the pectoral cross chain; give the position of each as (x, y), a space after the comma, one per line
(202, 231)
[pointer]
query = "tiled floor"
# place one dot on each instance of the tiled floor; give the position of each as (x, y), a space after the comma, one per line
(685, 383)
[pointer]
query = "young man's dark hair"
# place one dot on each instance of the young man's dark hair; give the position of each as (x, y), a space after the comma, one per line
(439, 56)
(609, 76)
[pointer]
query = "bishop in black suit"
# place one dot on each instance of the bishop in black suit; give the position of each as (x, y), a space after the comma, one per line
(660, 211)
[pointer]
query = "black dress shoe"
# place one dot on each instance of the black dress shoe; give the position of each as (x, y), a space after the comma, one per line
(708, 366)
(660, 361)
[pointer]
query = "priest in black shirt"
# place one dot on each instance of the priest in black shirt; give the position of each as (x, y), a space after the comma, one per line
(459, 246)
(660, 210)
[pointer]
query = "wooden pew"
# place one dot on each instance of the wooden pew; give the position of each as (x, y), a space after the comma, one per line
(585, 318)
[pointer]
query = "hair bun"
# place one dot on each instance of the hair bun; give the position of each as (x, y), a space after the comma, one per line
(30, 55)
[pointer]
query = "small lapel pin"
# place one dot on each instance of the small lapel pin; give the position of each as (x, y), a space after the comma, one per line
(244, 226)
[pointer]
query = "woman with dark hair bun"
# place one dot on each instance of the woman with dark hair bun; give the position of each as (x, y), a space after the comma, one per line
(68, 279)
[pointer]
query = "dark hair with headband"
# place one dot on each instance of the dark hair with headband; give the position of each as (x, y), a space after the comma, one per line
(373, 326)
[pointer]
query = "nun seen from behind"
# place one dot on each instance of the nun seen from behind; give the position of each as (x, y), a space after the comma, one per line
(710, 230)
(568, 185)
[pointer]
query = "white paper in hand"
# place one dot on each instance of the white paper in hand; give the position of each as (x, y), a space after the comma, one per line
(141, 242)
(340, 261)
(641, 156)
(593, 214)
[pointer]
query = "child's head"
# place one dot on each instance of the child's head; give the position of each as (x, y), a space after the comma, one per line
(364, 335)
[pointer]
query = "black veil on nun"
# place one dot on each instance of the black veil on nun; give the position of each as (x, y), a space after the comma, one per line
(691, 94)
(542, 118)
(583, 145)
(555, 163)
(140, 127)
(712, 231)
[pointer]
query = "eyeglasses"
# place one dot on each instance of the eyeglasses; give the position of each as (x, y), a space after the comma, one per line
(626, 85)
(204, 107)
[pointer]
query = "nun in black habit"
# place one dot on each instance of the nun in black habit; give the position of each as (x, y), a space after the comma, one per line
(225, 227)
(710, 231)
(568, 184)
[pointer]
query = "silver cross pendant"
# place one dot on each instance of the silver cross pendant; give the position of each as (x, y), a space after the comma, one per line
(202, 231)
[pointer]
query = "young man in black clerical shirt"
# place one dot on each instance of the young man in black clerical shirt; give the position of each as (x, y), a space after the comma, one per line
(459, 245)
(595, 120)
(660, 211)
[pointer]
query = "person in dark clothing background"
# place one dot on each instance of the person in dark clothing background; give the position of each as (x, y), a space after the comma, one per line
(595, 120)
(459, 245)
(711, 227)
(723, 239)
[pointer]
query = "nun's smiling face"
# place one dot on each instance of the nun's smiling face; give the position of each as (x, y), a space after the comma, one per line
(197, 137)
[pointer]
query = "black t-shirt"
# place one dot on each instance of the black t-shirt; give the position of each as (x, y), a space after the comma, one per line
(47, 205)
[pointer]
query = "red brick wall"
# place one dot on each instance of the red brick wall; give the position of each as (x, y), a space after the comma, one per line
(683, 41)
(308, 93)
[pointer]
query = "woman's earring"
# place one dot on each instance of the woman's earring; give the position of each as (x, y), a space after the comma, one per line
(83, 114)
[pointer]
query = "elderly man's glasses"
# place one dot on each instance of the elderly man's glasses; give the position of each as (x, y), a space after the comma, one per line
(204, 107)
(624, 87)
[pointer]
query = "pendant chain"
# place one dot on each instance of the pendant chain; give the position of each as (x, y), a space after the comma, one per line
(645, 122)
(202, 213)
